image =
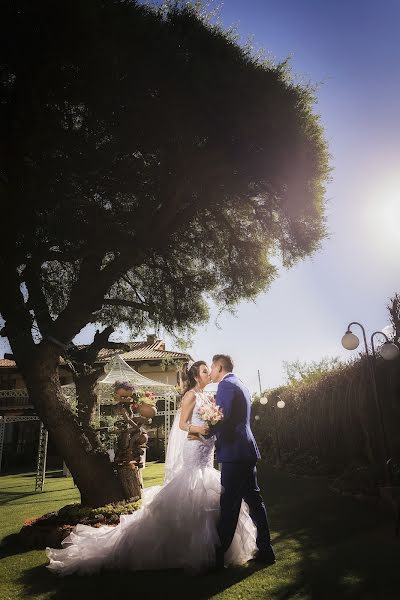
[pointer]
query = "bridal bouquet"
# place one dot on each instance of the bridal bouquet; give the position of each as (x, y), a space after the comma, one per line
(210, 412)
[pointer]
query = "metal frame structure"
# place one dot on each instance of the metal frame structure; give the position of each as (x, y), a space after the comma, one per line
(17, 394)
(42, 447)
(167, 414)
(41, 458)
(14, 393)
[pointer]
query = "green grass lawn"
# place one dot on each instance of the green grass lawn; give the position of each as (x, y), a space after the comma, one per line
(328, 548)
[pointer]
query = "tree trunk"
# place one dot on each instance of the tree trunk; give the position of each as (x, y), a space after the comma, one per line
(128, 474)
(130, 480)
(91, 469)
(87, 401)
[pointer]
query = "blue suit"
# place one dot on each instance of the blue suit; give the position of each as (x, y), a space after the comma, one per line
(235, 441)
(237, 451)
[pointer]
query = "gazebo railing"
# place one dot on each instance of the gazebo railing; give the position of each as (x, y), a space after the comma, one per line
(14, 399)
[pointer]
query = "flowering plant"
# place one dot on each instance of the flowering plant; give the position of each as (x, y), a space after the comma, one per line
(145, 398)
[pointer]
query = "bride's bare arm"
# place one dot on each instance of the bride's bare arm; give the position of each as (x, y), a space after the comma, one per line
(187, 406)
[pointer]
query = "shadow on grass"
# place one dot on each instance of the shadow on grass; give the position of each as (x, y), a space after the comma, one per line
(12, 486)
(65, 499)
(53, 473)
(339, 546)
(6, 497)
(18, 473)
(328, 547)
(150, 584)
(11, 546)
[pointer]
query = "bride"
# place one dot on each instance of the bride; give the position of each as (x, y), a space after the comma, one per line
(176, 527)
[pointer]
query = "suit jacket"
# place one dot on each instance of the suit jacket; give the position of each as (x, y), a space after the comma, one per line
(235, 441)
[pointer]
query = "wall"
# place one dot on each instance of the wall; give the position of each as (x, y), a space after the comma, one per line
(155, 372)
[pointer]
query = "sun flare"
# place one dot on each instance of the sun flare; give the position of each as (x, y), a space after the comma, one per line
(383, 216)
(389, 218)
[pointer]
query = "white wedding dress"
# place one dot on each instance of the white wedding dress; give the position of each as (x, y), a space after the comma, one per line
(174, 528)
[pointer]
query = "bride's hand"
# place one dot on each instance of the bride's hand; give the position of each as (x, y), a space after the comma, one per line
(204, 430)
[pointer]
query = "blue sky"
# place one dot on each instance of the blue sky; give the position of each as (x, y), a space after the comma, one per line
(352, 48)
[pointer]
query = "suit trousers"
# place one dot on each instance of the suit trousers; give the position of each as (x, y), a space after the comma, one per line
(239, 482)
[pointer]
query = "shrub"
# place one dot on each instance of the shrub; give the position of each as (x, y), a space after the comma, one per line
(72, 514)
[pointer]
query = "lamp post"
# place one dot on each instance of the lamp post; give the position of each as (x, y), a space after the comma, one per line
(388, 351)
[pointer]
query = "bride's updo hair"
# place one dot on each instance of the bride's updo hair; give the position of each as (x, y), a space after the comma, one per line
(189, 375)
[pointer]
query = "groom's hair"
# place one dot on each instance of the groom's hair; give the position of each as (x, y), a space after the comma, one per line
(225, 361)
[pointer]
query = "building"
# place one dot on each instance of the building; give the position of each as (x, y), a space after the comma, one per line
(150, 358)
(20, 441)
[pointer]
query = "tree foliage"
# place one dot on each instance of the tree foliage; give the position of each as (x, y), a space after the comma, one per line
(301, 371)
(149, 154)
(394, 315)
(148, 163)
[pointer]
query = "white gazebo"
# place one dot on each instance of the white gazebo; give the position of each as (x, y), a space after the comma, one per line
(118, 370)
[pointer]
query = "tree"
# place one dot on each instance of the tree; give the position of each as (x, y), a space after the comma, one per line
(394, 312)
(81, 361)
(300, 371)
(148, 163)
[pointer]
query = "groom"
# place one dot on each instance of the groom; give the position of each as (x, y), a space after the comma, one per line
(237, 451)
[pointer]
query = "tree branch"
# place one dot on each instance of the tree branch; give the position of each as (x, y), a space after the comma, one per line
(127, 279)
(87, 295)
(36, 300)
(83, 359)
(127, 303)
(18, 321)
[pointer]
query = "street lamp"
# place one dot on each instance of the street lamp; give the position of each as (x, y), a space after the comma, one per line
(350, 341)
(388, 351)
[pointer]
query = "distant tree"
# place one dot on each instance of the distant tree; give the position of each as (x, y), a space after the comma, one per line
(394, 312)
(148, 164)
(298, 370)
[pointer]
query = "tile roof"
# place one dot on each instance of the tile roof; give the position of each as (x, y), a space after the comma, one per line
(143, 351)
(137, 351)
